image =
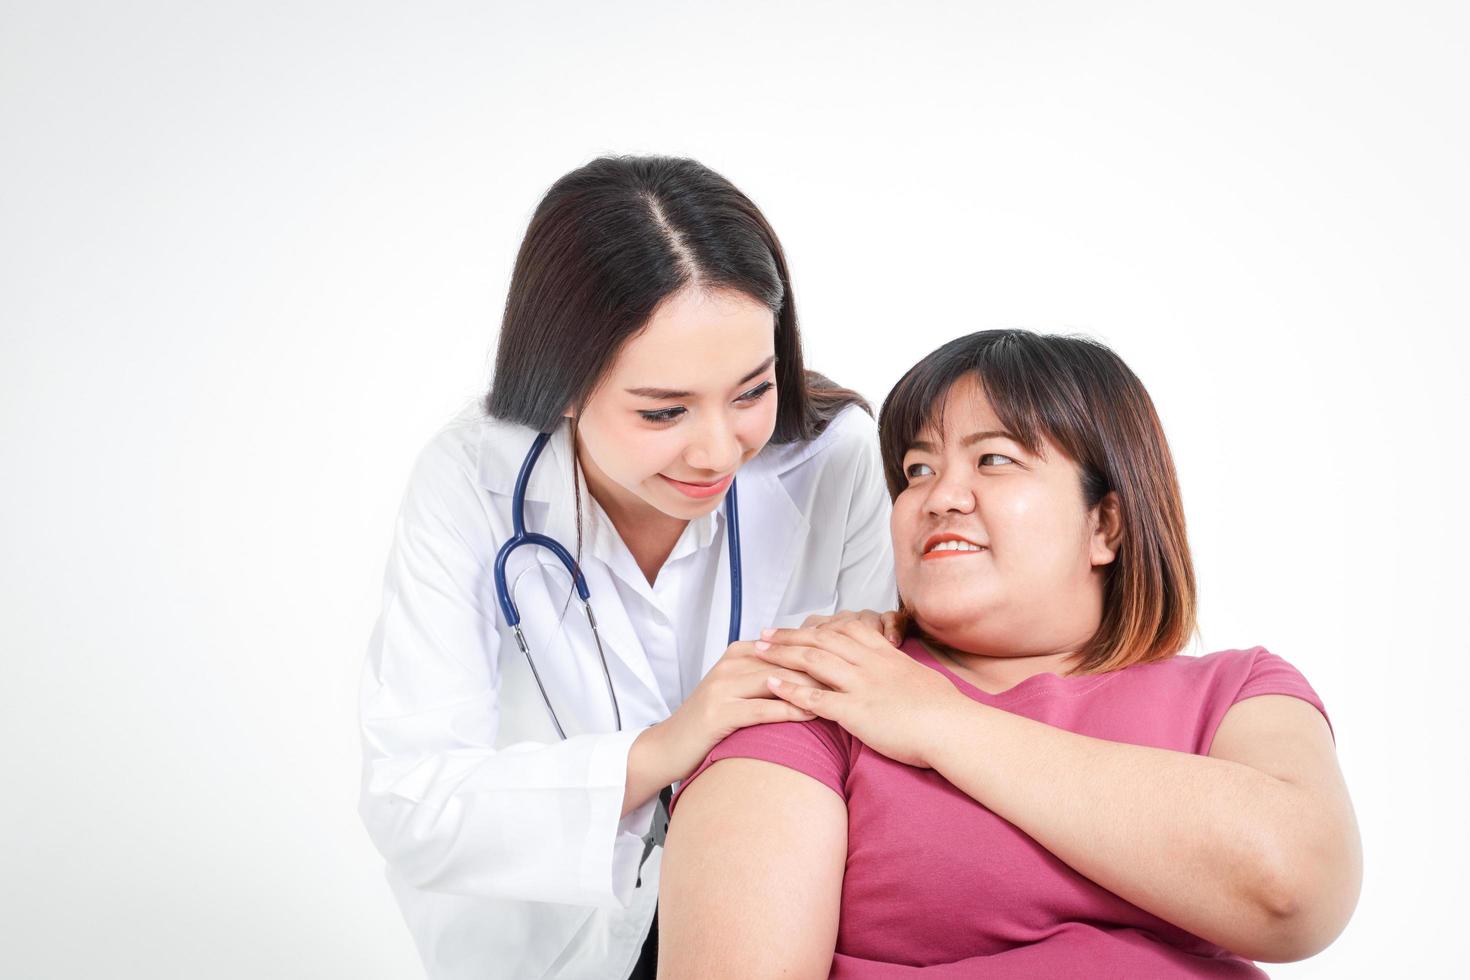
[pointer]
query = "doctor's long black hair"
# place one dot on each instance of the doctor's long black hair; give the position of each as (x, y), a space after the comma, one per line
(607, 244)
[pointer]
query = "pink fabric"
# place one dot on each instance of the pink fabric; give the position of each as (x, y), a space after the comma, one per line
(938, 886)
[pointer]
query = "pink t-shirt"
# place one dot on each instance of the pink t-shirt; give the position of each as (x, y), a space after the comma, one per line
(937, 883)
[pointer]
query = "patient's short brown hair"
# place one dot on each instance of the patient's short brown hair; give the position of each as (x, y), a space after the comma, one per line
(1080, 396)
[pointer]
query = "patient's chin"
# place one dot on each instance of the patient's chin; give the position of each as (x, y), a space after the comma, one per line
(962, 626)
(951, 602)
(980, 643)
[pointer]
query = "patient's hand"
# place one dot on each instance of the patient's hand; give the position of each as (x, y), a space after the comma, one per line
(880, 695)
(894, 624)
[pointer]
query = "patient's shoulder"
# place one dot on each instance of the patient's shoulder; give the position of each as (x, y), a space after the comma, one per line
(820, 749)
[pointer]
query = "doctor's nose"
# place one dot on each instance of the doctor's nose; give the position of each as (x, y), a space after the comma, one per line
(715, 449)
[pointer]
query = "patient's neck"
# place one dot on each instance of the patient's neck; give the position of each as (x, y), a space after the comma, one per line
(996, 674)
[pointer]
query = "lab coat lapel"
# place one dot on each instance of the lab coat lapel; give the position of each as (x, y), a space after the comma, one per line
(773, 531)
(620, 641)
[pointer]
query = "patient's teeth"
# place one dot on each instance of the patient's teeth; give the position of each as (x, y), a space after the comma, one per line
(956, 546)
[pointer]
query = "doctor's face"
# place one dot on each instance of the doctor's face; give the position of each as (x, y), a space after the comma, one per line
(996, 551)
(685, 403)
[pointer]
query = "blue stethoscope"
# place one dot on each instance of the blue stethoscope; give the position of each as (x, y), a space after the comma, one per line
(524, 537)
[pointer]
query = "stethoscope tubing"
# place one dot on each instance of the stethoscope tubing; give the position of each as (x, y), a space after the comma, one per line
(521, 537)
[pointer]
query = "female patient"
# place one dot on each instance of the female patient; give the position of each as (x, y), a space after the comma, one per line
(1036, 784)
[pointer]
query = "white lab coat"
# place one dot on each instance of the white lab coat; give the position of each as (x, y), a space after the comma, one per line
(505, 847)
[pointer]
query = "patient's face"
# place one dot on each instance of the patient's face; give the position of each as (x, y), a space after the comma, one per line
(996, 551)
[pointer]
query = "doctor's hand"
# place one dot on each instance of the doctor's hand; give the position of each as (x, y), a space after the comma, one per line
(876, 692)
(733, 695)
(893, 624)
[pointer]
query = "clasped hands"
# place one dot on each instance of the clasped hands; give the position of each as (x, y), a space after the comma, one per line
(876, 692)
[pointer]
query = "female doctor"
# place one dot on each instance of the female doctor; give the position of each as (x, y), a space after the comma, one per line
(513, 770)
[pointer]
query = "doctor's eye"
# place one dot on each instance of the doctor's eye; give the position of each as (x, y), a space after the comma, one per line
(1003, 459)
(664, 414)
(755, 393)
(914, 470)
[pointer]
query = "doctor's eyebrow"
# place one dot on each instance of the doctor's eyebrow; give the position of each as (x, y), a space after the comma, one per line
(664, 394)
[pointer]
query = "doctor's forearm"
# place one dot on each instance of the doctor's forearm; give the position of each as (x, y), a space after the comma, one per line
(1195, 840)
(650, 768)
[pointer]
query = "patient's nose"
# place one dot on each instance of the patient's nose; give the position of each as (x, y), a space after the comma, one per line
(950, 493)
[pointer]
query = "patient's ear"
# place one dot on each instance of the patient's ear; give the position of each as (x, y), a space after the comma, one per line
(1107, 529)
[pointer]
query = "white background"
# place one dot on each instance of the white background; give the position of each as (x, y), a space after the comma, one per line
(253, 255)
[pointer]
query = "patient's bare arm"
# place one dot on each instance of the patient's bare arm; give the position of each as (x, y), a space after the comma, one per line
(752, 876)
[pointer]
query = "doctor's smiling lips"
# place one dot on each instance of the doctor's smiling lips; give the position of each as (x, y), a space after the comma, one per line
(700, 490)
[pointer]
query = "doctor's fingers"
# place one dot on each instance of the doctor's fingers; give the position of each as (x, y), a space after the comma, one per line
(741, 659)
(831, 670)
(735, 658)
(741, 672)
(886, 623)
(849, 638)
(763, 711)
(851, 641)
(840, 616)
(894, 625)
(751, 683)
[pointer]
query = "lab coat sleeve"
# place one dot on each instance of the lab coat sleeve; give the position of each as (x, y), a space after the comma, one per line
(865, 580)
(448, 810)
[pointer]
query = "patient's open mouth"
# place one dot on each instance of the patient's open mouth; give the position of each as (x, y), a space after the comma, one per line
(950, 546)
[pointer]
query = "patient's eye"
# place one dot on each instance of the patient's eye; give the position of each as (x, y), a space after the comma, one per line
(918, 469)
(1001, 460)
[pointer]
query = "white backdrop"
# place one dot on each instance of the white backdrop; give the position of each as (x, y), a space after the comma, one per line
(253, 254)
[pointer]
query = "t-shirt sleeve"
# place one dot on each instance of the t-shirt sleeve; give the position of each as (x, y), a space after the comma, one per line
(1269, 674)
(819, 748)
